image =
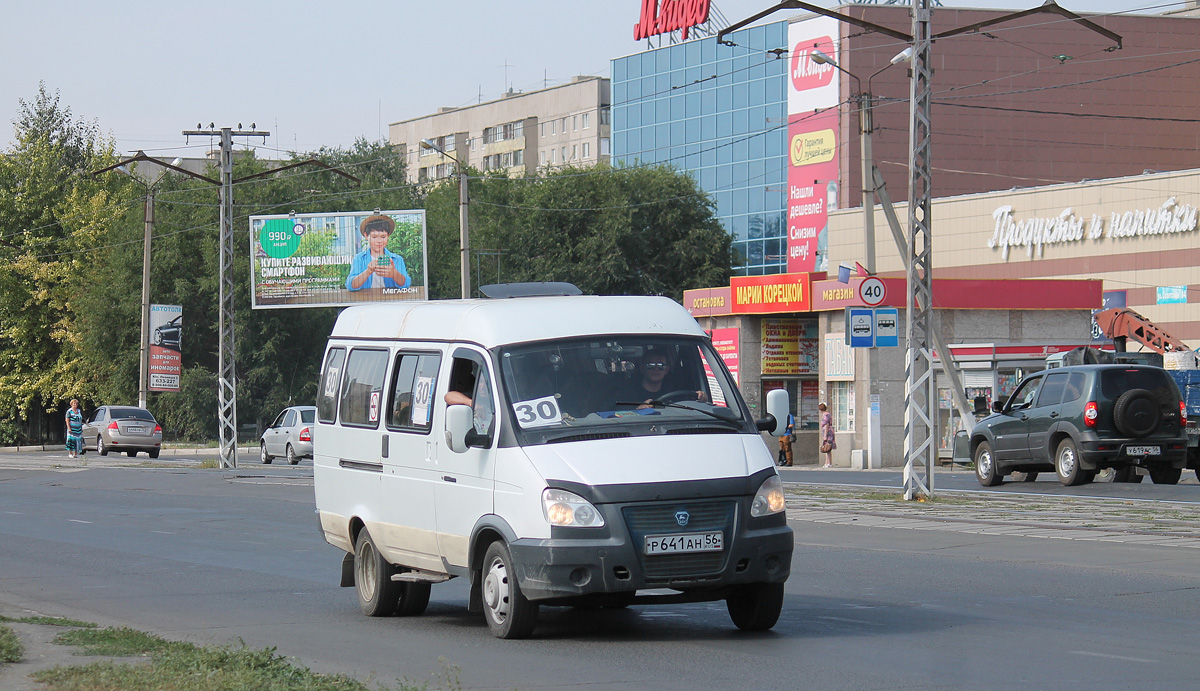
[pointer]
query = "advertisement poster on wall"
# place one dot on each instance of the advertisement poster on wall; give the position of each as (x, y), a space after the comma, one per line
(810, 398)
(813, 100)
(789, 347)
(338, 259)
(725, 342)
(166, 337)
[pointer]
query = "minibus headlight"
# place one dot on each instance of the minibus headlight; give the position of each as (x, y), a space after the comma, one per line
(568, 509)
(769, 498)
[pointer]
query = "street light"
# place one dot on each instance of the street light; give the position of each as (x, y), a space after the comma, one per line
(464, 239)
(148, 219)
(866, 127)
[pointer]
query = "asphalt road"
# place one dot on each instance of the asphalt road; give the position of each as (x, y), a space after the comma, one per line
(214, 556)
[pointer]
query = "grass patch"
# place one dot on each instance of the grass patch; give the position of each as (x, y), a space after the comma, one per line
(49, 621)
(208, 463)
(177, 666)
(10, 646)
(113, 642)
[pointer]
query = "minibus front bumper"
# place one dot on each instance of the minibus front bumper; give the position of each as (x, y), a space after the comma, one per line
(579, 562)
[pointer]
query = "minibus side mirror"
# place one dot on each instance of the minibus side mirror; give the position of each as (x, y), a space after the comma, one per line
(460, 430)
(777, 412)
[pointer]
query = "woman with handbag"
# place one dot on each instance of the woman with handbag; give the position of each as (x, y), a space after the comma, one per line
(828, 442)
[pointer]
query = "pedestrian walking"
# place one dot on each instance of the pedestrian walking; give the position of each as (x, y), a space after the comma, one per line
(74, 422)
(828, 442)
(786, 441)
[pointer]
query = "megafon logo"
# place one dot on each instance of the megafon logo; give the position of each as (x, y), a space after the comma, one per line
(807, 74)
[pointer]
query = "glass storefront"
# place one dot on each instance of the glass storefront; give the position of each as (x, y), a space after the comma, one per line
(720, 113)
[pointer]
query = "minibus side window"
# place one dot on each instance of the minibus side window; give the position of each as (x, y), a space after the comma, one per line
(471, 378)
(412, 391)
(331, 376)
(362, 387)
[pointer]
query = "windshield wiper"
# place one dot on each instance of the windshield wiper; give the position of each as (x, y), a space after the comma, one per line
(717, 413)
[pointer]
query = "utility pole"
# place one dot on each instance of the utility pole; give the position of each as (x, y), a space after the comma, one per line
(227, 369)
(920, 425)
(148, 217)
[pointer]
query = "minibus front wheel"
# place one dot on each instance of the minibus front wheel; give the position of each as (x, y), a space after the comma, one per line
(756, 607)
(509, 614)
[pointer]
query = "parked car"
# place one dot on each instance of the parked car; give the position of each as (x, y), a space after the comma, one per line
(1081, 419)
(290, 435)
(122, 428)
(168, 335)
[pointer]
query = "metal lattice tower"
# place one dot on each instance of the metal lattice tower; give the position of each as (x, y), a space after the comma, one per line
(227, 373)
(920, 425)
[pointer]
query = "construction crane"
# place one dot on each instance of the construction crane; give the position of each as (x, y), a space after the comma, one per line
(1121, 323)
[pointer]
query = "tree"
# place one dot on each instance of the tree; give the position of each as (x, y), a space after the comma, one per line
(611, 231)
(51, 213)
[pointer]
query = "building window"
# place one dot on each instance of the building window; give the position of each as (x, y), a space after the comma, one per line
(587, 120)
(541, 158)
(564, 154)
(604, 114)
(843, 405)
(518, 157)
(575, 123)
(604, 146)
(423, 175)
(552, 123)
(472, 140)
(551, 156)
(574, 152)
(587, 150)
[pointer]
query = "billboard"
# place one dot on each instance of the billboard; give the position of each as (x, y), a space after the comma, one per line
(337, 259)
(165, 335)
(812, 143)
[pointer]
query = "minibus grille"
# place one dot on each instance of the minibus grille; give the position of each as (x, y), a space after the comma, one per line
(704, 430)
(643, 520)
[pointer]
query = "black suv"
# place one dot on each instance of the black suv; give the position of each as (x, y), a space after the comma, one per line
(1078, 420)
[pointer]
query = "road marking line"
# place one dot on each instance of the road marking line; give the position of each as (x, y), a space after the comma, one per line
(75, 520)
(1113, 657)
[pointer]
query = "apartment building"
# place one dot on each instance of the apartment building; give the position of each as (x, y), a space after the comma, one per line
(520, 133)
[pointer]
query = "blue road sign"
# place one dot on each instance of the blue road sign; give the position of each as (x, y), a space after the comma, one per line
(860, 321)
(887, 330)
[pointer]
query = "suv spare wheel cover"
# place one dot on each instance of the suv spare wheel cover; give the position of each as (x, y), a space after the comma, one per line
(1136, 413)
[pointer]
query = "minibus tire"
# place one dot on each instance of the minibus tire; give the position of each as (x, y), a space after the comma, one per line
(414, 598)
(509, 615)
(756, 607)
(378, 594)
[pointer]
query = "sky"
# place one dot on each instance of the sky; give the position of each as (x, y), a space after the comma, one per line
(321, 74)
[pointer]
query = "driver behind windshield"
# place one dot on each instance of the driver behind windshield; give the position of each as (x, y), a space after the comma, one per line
(656, 370)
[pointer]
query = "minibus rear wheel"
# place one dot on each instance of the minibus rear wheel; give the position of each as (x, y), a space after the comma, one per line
(756, 607)
(378, 594)
(508, 613)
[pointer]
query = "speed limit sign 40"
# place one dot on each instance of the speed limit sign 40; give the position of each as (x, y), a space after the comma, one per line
(872, 291)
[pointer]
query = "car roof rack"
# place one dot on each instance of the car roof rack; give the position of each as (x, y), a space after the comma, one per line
(528, 290)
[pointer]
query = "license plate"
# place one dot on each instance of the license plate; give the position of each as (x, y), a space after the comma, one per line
(135, 430)
(679, 543)
(1143, 450)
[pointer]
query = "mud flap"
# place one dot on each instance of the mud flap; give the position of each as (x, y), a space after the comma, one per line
(347, 571)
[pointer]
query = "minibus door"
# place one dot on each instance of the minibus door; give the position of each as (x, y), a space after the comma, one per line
(464, 493)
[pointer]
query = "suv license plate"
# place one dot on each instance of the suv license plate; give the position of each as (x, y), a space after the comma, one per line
(1143, 450)
(680, 543)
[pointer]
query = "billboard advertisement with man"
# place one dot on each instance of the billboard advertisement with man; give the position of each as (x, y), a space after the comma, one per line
(338, 259)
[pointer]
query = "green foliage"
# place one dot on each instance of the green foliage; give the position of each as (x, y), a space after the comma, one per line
(49, 621)
(610, 231)
(10, 646)
(51, 212)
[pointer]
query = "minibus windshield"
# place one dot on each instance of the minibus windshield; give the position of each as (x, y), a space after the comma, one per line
(619, 386)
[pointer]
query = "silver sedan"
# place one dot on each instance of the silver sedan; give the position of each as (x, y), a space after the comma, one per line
(290, 435)
(122, 428)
